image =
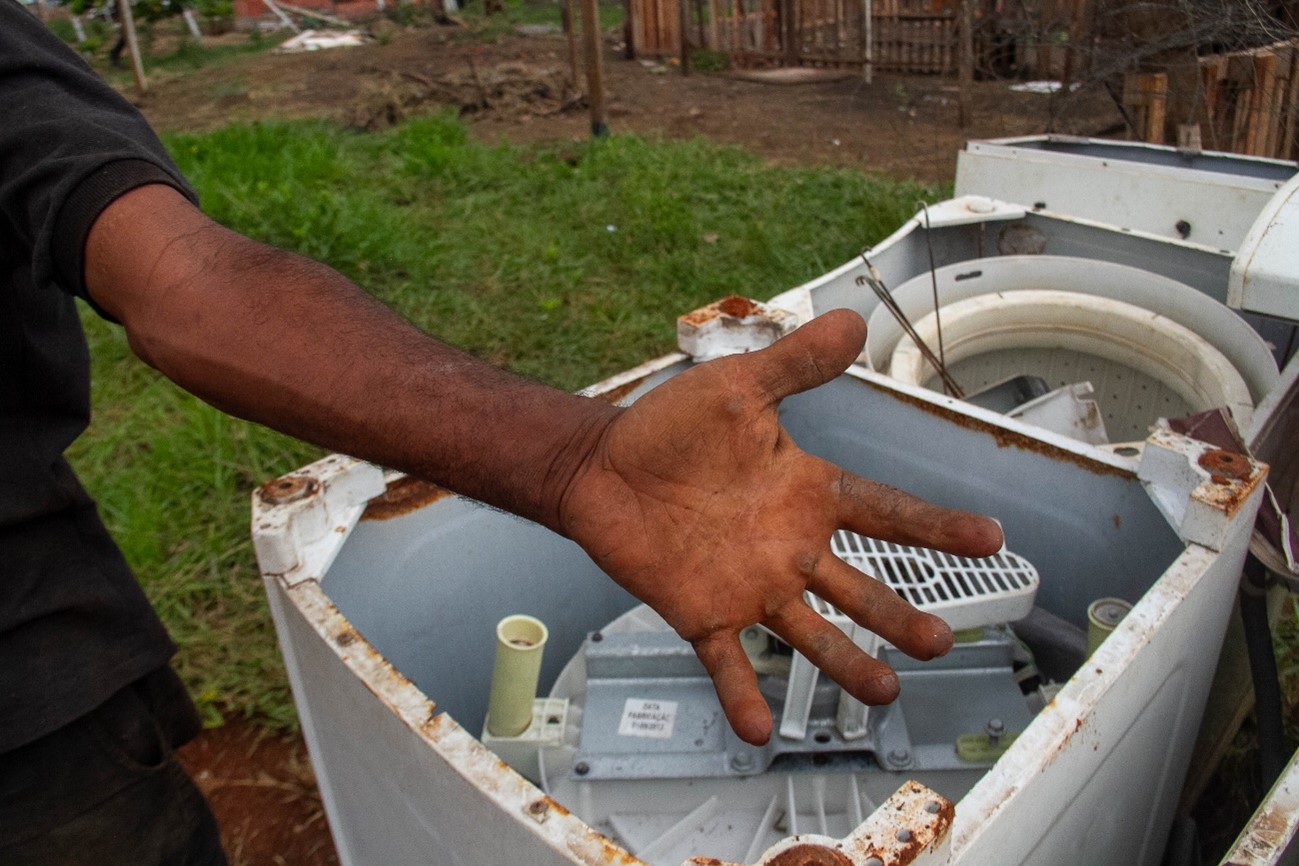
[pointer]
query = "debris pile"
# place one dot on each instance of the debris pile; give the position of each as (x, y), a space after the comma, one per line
(506, 91)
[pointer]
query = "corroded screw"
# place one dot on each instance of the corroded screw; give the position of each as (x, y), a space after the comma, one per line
(995, 728)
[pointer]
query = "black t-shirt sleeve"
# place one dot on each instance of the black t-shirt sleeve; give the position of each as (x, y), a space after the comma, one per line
(69, 146)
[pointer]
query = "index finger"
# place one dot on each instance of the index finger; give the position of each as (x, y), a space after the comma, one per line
(884, 512)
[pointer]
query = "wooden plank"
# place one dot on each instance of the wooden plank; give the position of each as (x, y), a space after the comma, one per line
(965, 78)
(1145, 96)
(740, 33)
(1211, 75)
(1288, 149)
(1261, 108)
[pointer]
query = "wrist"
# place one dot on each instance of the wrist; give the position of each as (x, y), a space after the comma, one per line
(573, 458)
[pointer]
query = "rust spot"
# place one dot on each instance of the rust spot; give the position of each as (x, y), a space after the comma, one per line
(809, 855)
(1006, 438)
(554, 806)
(1118, 522)
(288, 489)
(346, 637)
(733, 306)
(1224, 494)
(611, 853)
(403, 496)
(613, 395)
(1226, 463)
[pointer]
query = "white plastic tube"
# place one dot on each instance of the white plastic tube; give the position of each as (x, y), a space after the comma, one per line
(520, 642)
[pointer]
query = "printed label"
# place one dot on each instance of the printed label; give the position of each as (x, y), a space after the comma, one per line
(642, 718)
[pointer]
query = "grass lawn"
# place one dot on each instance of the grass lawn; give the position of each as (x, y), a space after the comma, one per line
(567, 263)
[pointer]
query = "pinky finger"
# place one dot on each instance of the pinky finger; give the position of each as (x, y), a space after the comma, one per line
(736, 685)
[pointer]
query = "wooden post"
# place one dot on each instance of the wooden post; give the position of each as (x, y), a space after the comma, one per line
(683, 35)
(188, 14)
(965, 95)
(133, 45)
(788, 44)
(741, 34)
(594, 68)
(868, 31)
(1286, 150)
(1188, 137)
(566, 17)
(628, 30)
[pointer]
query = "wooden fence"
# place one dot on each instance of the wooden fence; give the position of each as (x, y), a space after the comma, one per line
(908, 35)
(1012, 38)
(1251, 101)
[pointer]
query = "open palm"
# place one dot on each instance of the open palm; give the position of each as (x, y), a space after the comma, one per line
(697, 501)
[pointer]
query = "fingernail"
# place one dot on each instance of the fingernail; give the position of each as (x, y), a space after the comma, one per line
(884, 689)
(942, 637)
(1001, 550)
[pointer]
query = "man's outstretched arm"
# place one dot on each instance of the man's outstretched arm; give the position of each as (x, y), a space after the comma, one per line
(694, 498)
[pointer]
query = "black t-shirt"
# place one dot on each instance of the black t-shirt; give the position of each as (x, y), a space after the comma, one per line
(74, 625)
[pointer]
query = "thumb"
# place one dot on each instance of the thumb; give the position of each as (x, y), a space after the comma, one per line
(812, 355)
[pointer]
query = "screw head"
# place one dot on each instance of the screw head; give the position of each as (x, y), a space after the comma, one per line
(581, 768)
(742, 762)
(900, 756)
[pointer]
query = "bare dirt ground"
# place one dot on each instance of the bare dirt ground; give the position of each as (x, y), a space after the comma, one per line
(264, 795)
(519, 89)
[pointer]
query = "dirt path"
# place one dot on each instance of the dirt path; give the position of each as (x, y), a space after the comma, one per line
(518, 89)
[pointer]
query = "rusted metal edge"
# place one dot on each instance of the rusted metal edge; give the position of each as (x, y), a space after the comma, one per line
(404, 494)
(1270, 833)
(1062, 726)
(517, 798)
(1004, 436)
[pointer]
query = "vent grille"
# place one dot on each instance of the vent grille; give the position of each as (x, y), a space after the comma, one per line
(964, 591)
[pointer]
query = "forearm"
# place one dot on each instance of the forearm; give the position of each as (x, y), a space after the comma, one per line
(289, 343)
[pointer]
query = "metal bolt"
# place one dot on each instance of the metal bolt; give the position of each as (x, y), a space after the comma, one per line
(903, 835)
(995, 729)
(596, 637)
(874, 861)
(288, 489)
(933, 808)
(581, 768)
(742, 762)
(900, 756)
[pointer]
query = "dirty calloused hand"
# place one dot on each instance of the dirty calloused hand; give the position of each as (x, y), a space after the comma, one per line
(697, 501)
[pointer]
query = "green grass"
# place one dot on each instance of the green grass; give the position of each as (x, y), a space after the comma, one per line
(567, 263)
